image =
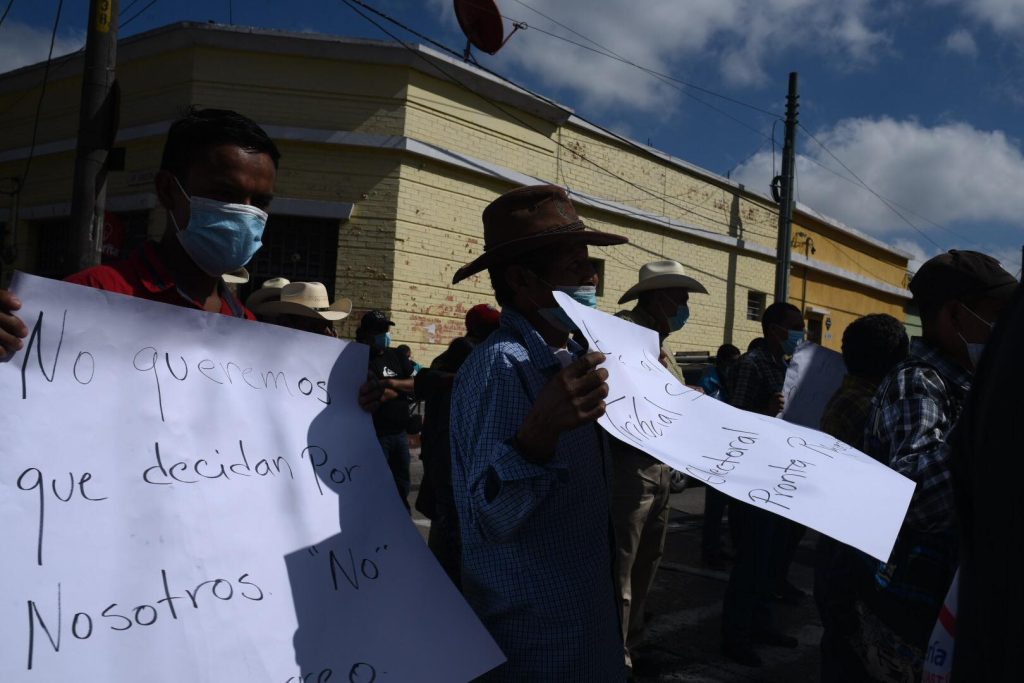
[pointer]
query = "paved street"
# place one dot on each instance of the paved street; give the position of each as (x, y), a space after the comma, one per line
(685, 610)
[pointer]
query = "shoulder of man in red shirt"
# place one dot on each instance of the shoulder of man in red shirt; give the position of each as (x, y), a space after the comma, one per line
(142, 275)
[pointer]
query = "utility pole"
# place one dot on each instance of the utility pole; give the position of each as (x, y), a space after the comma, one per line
(786, 200)
(97, 128)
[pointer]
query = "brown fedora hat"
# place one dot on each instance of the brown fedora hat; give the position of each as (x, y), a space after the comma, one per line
(527, 219)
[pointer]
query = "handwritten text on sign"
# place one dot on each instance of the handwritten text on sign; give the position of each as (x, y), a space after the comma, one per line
(793, 471)
(188, 496)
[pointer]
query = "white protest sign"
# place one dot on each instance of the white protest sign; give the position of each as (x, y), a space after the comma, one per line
(813, 375)
(192, 497)
(795, 472)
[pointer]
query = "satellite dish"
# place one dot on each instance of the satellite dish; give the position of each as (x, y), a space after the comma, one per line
(481, 21)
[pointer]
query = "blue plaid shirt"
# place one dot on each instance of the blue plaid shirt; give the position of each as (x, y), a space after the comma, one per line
(536, 539)
(912, 415)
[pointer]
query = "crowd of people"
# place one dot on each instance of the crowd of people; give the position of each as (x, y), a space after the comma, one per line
(554, 532)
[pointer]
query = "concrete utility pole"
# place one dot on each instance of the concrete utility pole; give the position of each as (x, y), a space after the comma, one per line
(97, 128)
(786, 199)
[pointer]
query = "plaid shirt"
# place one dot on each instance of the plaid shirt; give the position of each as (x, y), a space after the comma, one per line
(847, 411)
(754, 379)
(536, 539)
(911, 417)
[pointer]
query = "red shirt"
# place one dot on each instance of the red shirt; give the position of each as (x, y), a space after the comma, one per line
(144, 275)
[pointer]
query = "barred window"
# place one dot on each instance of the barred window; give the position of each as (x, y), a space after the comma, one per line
(756, 305)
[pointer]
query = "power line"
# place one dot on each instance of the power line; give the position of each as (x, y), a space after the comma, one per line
(652, 194)
(608, 52)
(71, 55)
(869, 189)
(42, 94)
(135, 16)
(10, 3)
(894, 202)
(668, 80)
(352, 5)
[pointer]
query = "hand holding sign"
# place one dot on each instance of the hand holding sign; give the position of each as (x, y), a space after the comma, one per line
(793, 471)
(573, 397)
(201, 498)
(12, 329)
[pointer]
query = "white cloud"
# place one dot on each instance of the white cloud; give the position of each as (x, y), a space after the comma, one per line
(961, 42)
(1006, 16)
(21, 45)
(664, 34)
(965, 179)
(918, 253)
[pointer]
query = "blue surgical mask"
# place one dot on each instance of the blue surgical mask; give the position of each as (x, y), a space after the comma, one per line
(676, 322)
(220, 237)
(382, 340)
(792, 341)
(582, 294)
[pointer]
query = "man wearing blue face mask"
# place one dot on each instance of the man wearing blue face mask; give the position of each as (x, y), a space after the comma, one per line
(763, 541)
(394, 373)
(530, 475)
(216, 180)
(641, 484)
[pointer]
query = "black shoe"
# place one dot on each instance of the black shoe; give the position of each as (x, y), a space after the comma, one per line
(741, 654)
(776, 639)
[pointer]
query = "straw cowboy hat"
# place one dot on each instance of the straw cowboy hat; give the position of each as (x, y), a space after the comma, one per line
(271, 289)
(308, 299)
(527, 219)
(662, 275)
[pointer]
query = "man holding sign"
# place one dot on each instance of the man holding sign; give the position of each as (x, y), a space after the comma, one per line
(529, 467)
(216, 182)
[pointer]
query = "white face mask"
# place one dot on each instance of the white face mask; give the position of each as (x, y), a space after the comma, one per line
(975, 349)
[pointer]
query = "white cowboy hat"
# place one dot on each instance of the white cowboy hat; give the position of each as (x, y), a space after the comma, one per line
(271, 289)
(662, 275)
(308, 299)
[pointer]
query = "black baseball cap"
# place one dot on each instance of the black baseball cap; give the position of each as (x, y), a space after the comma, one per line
(960, 274)
(375, 320)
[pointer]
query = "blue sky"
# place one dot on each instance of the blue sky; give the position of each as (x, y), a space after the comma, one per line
(923, 100)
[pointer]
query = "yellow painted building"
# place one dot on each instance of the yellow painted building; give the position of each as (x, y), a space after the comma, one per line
(389, 156)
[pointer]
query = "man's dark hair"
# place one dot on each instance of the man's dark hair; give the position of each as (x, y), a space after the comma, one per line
(198, 130)
(404, 350)
(874, 344)
(726, 352)
(776, 314)
(755, 343)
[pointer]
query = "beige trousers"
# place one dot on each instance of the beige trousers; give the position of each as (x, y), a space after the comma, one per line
(640, 491)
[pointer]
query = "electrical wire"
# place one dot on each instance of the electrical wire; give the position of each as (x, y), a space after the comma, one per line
(671, 81)
(129, 7)
(853, 182)
(651, 193)
(352, 5)
(869, 189)
(608, 52)
(135, 16)
(42, 94)
(7, 10)
(668, 80)
(71, 55)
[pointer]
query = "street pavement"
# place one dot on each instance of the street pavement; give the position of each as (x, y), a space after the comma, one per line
(684, 610)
